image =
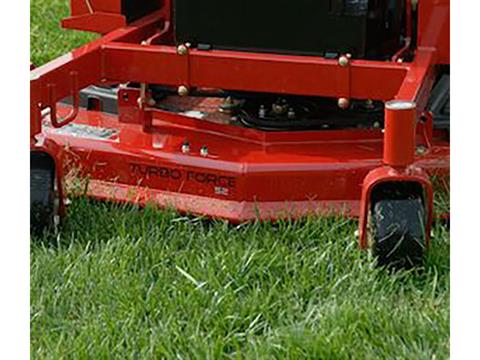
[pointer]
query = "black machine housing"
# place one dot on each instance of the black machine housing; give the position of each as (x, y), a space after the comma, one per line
(135, 9)
(369, 29)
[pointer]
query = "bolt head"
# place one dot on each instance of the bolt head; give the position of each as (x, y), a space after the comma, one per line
(421, 150)
(343, 103)
(343, 61)
(186, 148)
(204, 151)
(182, 50)
(183, 90)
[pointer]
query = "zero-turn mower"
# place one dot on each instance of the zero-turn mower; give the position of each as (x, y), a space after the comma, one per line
(253, 110)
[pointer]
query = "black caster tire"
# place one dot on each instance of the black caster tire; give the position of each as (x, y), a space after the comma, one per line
(398, 232)
(42, 200)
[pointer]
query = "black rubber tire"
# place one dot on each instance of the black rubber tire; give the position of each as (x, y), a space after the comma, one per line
(398, 232)
(42, 200)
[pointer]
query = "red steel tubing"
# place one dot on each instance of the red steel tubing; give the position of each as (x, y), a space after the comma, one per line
(399, 141)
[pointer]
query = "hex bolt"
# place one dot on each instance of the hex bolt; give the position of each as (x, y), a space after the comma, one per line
(182, 50)
(204, 151)
(186, 147)
(421, 150)
(183, 90)
(343, 103)
(343, 61)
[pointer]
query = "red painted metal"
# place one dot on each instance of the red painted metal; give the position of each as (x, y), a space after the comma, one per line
(98, 22)
(101, 16)
(247, 173)
(233, 70)
(400, 139)
(434, 28)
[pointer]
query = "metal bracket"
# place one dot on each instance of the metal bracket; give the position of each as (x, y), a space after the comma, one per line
(75, 93)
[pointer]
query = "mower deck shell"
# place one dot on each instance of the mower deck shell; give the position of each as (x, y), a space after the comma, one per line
(246, 175)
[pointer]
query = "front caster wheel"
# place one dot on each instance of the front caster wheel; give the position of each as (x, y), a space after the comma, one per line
(43, 199)
(398, 232)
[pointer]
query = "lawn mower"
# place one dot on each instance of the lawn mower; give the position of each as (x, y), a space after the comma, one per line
(253, 111)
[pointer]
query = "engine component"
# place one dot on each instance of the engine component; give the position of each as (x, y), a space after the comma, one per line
(135, 9)
(291, 113)
(364, 28)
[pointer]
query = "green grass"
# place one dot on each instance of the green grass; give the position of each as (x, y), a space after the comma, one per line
(128, 283)
(47, 39)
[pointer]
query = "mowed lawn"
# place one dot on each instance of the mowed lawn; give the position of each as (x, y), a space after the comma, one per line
(121, 282)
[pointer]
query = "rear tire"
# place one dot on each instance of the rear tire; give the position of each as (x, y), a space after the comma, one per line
(398, 232)
(42, 198)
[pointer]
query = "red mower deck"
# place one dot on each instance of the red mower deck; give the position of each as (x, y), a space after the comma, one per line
(242, 174)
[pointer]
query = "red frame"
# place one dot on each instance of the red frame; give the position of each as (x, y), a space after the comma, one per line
(314, 172)
(120, 56)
